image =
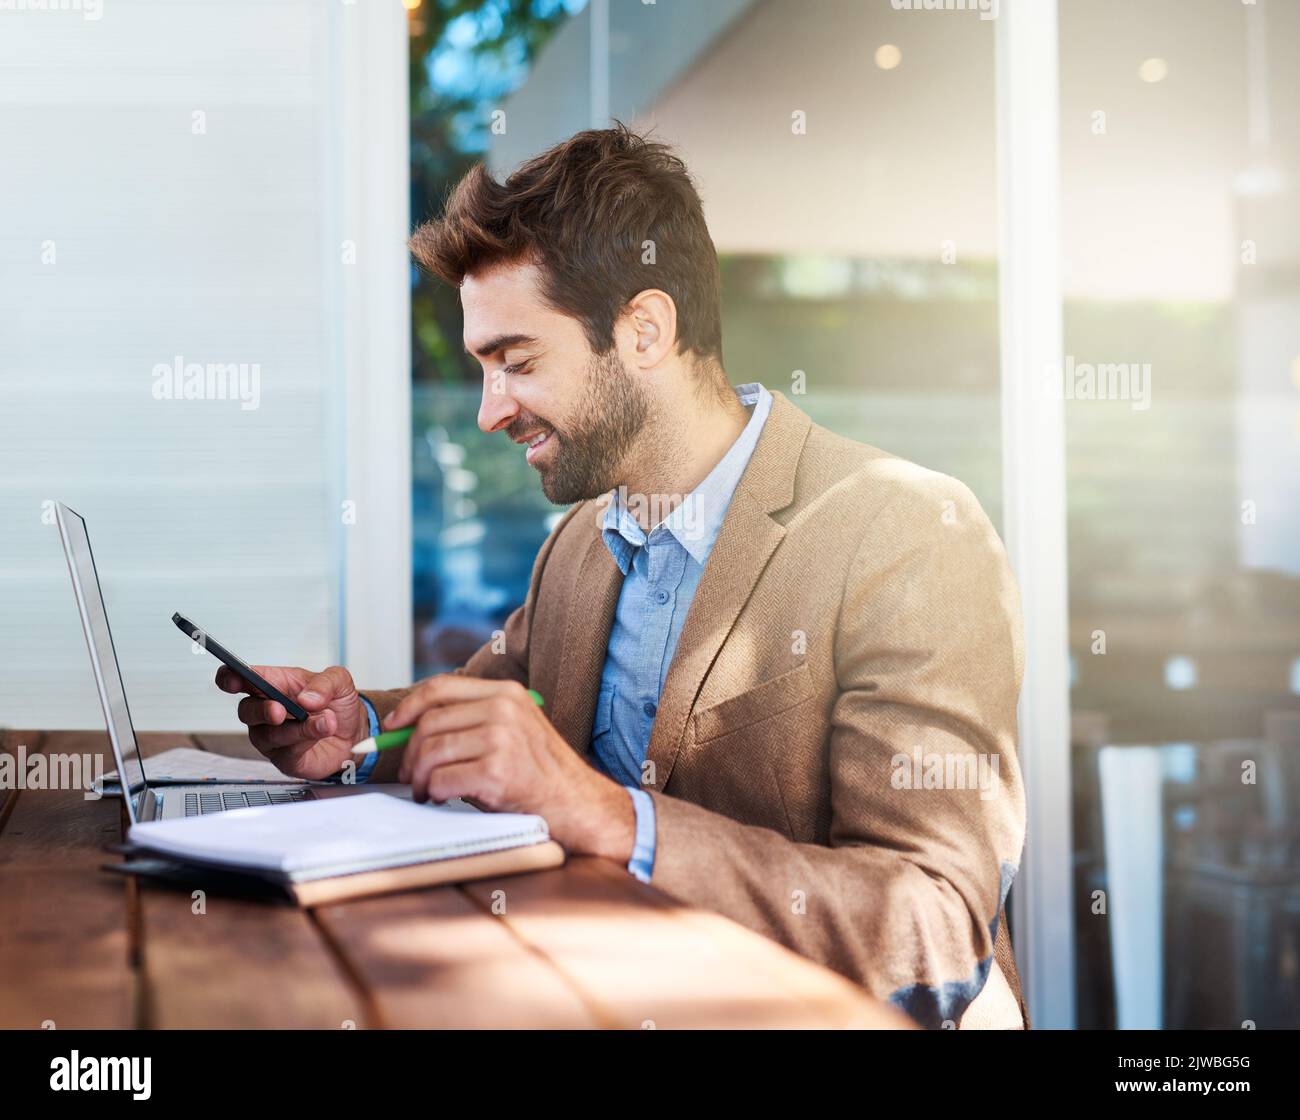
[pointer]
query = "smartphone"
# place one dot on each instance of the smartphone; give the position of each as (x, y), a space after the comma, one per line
(231, 662)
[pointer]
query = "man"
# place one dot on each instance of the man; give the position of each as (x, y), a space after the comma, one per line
(780, 668)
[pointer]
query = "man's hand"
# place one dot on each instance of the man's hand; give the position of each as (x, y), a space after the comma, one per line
(488, 741)
(317, 747)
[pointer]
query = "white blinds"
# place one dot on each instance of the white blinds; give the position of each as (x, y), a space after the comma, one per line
(174, 207)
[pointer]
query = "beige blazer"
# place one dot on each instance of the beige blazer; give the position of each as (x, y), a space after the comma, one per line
(833, 762)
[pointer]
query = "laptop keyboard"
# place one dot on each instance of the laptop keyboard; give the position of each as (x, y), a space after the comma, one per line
(200, 803)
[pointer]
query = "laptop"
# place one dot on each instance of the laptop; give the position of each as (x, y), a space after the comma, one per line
(162, 801)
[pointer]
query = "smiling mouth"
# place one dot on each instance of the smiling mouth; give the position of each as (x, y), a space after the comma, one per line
(535, 445)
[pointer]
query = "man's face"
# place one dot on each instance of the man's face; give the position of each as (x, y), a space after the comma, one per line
(576, 414)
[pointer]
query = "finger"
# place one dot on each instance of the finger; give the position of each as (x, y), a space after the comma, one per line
(437, 721)
(270, 740)
(446, 689)
(323, 724)
(458, 717)
(284, 758)
(325, 687)
(440, 750)
(265, 736)
(230, 681)
(460, 779)
(252, 711)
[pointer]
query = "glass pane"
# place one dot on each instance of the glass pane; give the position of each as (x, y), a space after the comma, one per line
(855, 279)
(1181, 233)
(479, 516)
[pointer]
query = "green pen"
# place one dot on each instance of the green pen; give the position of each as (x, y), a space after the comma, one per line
(390, 739)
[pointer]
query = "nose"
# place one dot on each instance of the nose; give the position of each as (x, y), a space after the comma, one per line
(497, 409)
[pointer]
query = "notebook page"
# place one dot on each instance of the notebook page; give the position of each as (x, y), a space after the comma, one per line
(362, 828)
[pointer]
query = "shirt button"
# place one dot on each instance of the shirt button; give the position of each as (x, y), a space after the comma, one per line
(661, 596)
(649, 708)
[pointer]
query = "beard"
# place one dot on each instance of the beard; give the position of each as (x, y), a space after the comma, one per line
(595, 442)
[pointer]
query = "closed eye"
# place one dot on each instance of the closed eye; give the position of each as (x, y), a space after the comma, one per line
(518, 367)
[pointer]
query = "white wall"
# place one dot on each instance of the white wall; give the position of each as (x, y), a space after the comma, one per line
(133, 231)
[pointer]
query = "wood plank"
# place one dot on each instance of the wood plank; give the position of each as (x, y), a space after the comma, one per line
(838, 1003)
(434, 959)
(65, 953)
(10, 742)
(645, 961)
(837, 1000)
(239, 963)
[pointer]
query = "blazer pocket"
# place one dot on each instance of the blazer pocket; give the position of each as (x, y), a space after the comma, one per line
(770, 698)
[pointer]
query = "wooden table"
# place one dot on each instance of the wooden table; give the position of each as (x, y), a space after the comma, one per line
(585, 945)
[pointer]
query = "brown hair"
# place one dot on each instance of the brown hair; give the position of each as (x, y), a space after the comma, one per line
(582, 212)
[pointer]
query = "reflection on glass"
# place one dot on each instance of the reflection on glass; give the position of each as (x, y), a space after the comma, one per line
(1181, 223)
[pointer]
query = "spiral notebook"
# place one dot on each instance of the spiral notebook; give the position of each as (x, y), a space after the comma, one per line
(348, 847)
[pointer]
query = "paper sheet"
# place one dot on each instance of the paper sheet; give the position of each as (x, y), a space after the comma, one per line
(190, 765)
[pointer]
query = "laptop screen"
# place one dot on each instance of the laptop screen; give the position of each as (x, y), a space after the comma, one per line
(94, 621)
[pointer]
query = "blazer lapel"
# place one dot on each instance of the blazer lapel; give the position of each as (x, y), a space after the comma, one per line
(581, 658)
(748, 537)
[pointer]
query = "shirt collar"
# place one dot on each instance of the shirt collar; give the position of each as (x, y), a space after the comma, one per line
(697, 520)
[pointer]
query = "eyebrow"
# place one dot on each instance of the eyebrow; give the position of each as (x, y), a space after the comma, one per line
(501, 342)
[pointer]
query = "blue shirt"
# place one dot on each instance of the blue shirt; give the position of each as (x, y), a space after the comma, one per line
(661, 570)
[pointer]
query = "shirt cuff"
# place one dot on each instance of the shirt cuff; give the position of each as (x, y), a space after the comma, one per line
(368, 763)
(642, 863)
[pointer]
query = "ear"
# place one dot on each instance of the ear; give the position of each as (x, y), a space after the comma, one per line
(649, 327)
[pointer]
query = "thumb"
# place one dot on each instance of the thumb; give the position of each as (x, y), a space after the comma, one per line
(325, 687)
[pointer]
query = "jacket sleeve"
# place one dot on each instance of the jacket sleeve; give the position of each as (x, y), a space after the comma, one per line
(928, 659)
